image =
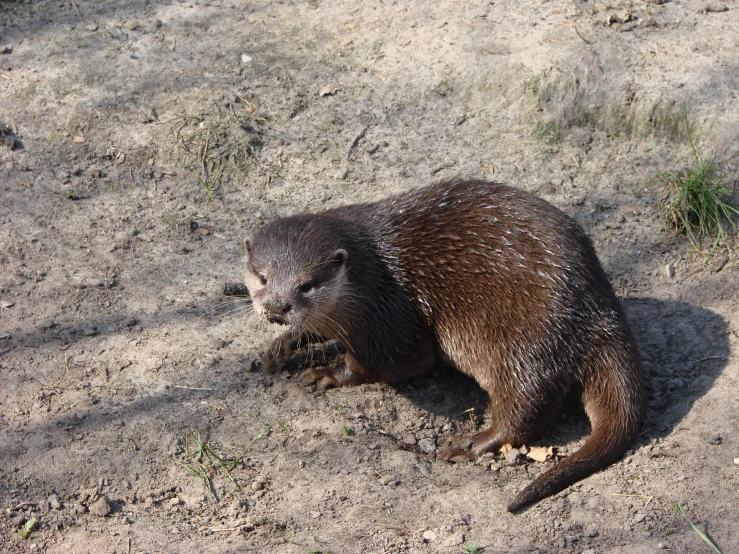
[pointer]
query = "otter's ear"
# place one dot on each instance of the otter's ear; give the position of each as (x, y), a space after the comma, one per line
(339, 257)
(247, 247)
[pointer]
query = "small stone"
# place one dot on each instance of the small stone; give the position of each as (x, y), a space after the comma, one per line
(92, 27)
(101, 507)
(46, 324)
(638, 518)
(429, 536)
(89, 331)
(427, 446)
(54, 502)
(257, 486)
(389, 480)
(175, 501)
(592, 533)
(315, 515)
(246, 58)
(589, 551)
(717, 439)
(34, 546)
(218, 343)
(513, 457)
(410, 439)
(5, 335)
(670, 271)
(715, 8)
(662, 546)
(6, 304)
(736, 461)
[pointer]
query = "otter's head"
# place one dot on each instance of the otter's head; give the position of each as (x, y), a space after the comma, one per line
(295, 271)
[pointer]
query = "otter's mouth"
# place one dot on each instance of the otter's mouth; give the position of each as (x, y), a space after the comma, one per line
(277, 318)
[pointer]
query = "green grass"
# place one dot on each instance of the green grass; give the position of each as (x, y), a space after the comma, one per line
(28, 528)
(472, 548)
(680, 511)
(695, 201)
(205, 463)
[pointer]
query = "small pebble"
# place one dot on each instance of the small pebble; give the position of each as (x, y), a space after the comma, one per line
(670, 271)
(638, 518)
(429, 536)
(92, 27)
(6, 304)
(427, 446)
(245, 58)
(662, 546)
(54, 502)
(717, 439)
(589, 551)
(101, 507)
(736, 461)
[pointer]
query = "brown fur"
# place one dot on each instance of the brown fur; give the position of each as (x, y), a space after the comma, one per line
(487, 278)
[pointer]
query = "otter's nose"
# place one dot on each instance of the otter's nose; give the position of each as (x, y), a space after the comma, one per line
(282, 308)
(276, 311)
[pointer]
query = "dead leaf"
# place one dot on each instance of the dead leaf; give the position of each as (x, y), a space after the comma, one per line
(540, 453)
(78, 140)
(505, 449)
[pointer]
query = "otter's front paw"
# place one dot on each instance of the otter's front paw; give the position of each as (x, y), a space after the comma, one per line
(276, 356)
(338, 375)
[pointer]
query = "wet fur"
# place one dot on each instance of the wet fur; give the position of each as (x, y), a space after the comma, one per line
(487, 278)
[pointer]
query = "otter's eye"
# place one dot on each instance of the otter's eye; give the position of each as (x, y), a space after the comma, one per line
(262, 279)
(307, 287)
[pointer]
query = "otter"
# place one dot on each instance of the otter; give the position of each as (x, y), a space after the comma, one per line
(481, 276)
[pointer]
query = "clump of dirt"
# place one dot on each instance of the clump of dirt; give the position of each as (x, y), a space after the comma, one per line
(149, 137)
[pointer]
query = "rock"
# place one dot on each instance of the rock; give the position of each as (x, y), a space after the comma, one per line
(89, 331)
(101, 507)
(638, 518)
(54, 502)
(246, 58)
(45, 324)
(670, 271)
(429, 536)
(513, 457)
(717, 439)
(6, 304)
(389, 480)
(218, 343)
(662, 546)
(427, 446)
(736, 461)
(410, 439)
(92, 27)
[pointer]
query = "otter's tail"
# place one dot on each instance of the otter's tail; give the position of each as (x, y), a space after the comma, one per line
(614, 409)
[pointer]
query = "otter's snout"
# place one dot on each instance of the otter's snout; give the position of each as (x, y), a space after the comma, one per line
(276, 312)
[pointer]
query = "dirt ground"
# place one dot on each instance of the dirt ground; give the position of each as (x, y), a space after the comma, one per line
(143, 140)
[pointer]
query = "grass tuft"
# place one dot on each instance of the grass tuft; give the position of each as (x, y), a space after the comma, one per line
(696, 201)
(680, 511)
(204, 463)
(28, 528)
